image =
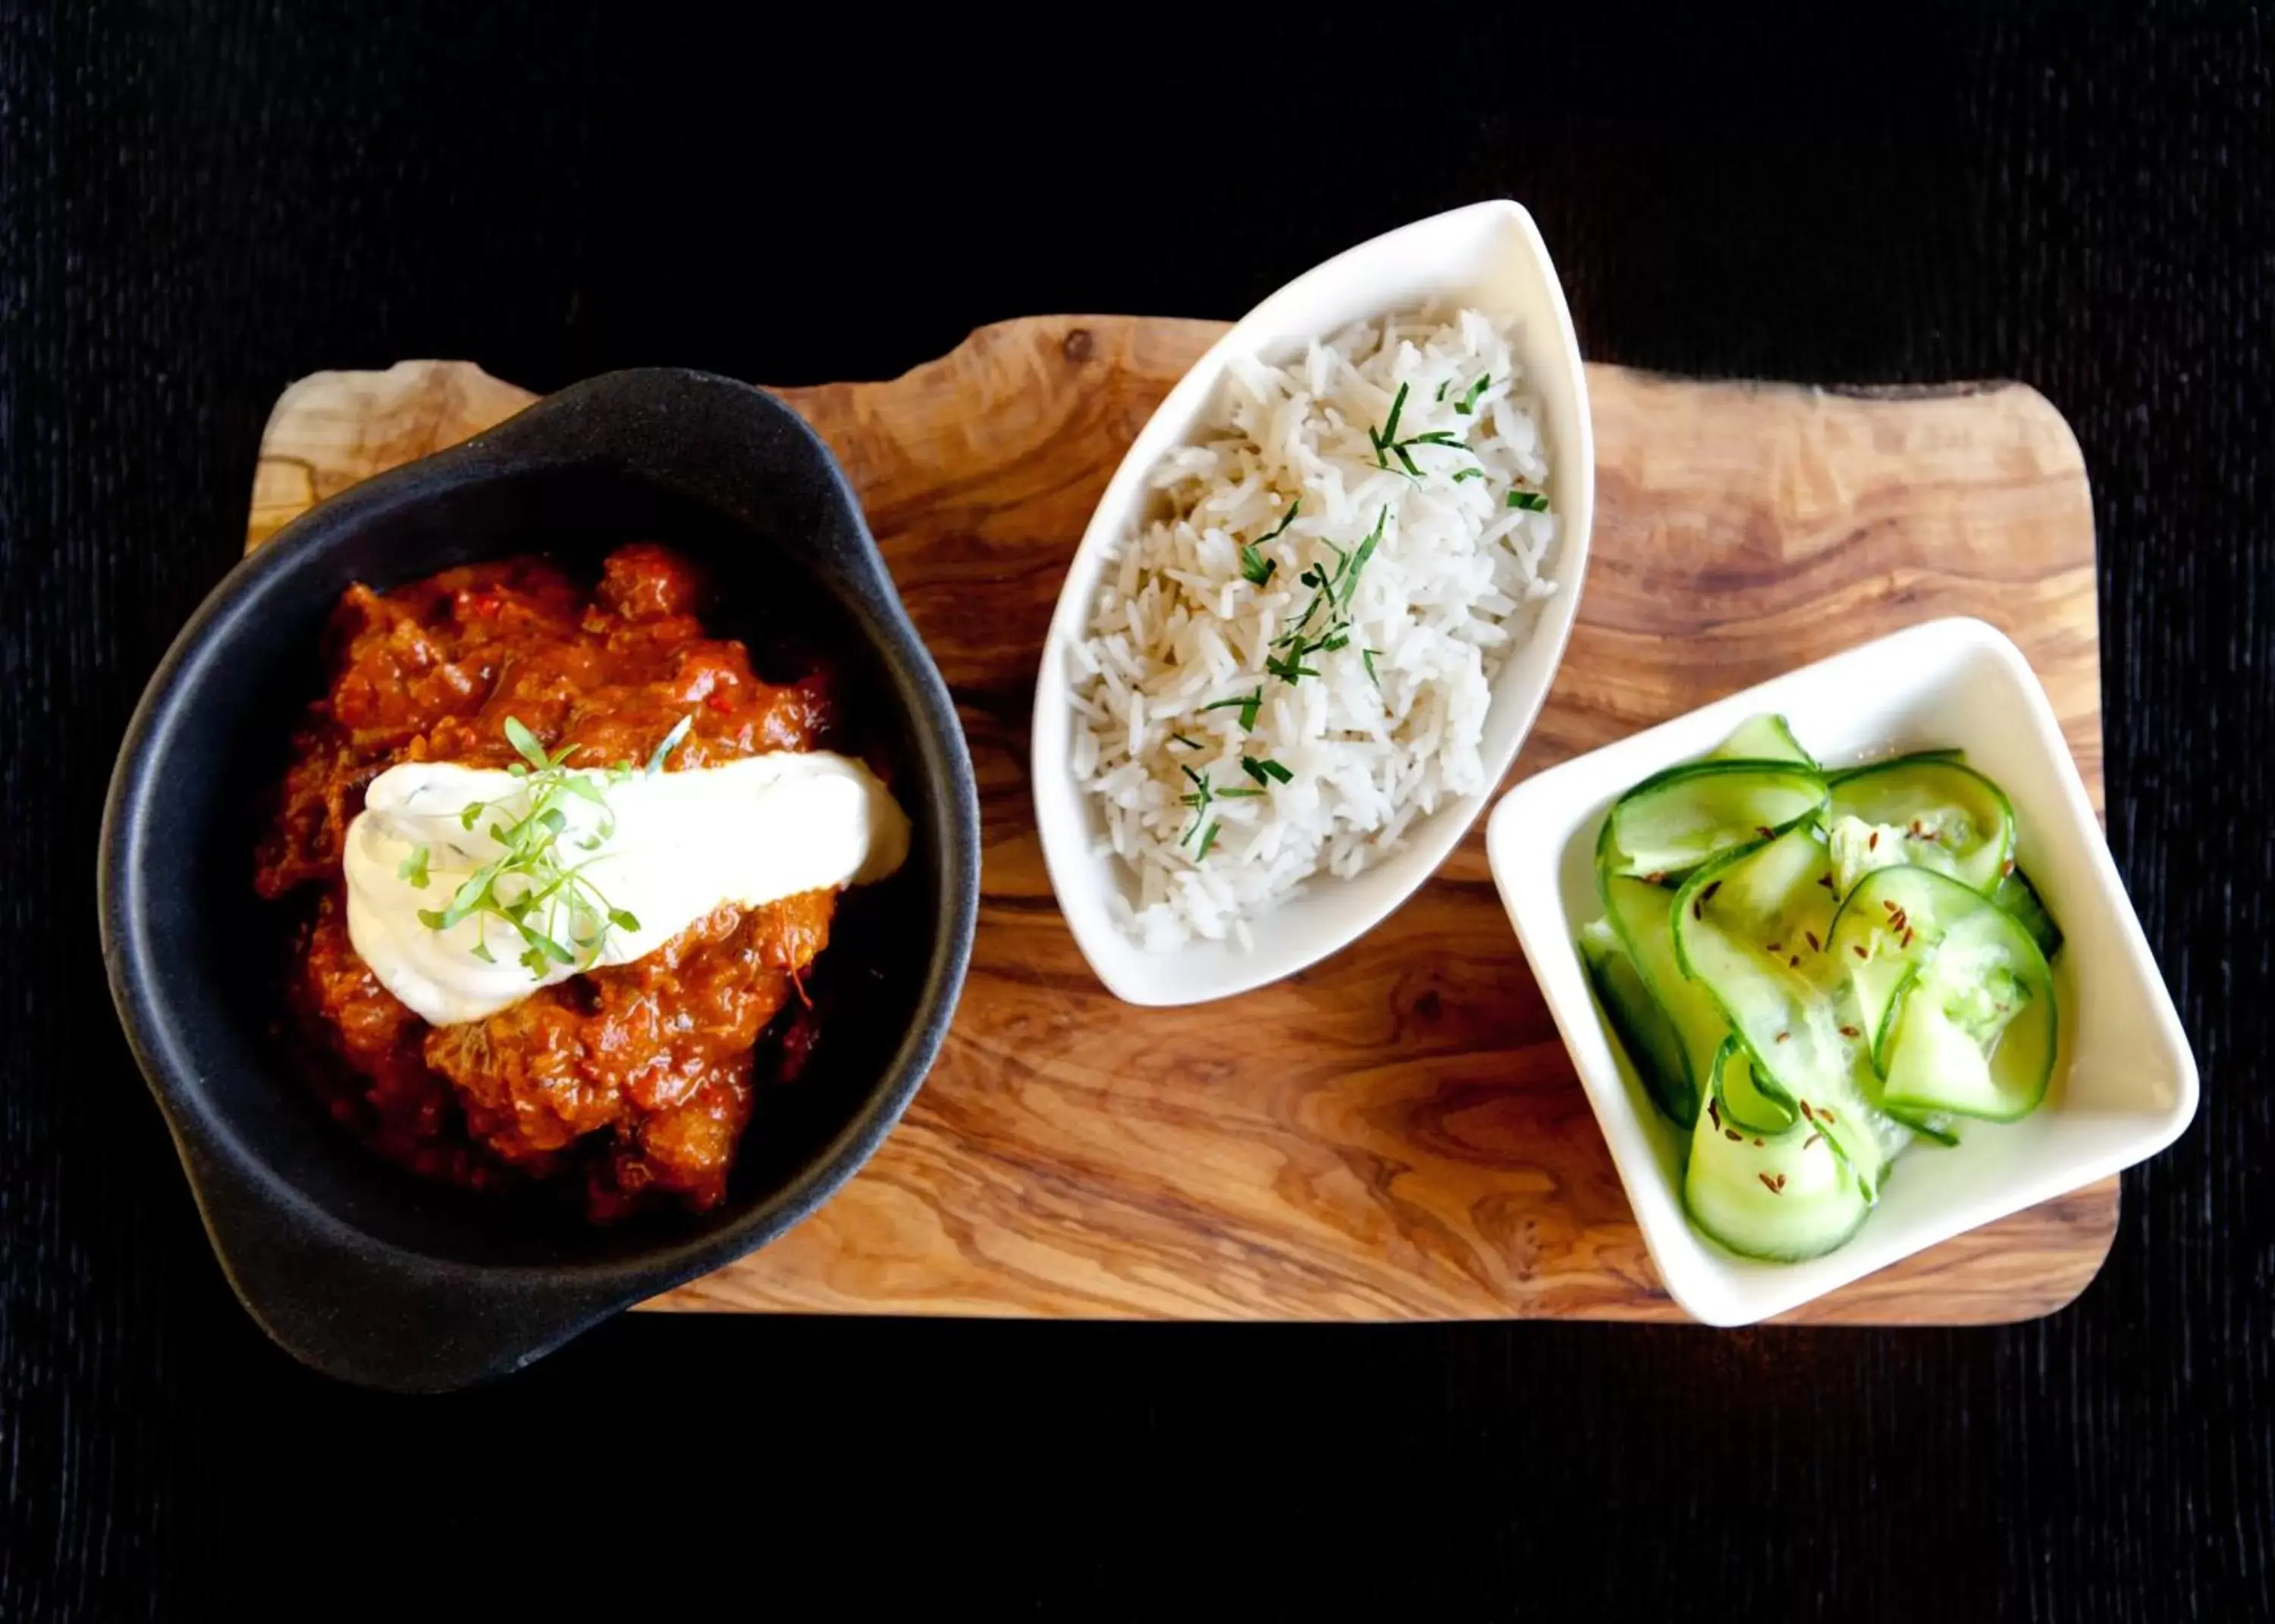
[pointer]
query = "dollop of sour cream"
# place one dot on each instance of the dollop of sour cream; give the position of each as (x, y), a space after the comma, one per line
(667, 848)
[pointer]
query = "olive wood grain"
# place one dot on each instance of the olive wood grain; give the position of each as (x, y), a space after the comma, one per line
(1396, 1134)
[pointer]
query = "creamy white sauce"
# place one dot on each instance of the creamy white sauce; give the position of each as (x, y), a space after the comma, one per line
(747, 832)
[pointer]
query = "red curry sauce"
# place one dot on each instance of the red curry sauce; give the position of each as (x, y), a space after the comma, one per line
(635, 1079)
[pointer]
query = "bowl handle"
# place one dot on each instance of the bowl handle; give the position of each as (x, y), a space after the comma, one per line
(727, 444)
(367, 1314)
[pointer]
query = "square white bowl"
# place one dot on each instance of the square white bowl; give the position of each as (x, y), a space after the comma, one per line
(1488, 256)
(2126, 1082)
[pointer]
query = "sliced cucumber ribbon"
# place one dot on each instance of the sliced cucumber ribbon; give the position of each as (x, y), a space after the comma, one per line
(1762, 738)
(1929, 811)
(1637, 1021)
(1750, 928)
(2018, 896)
(1963, 1012)
(1641, 917)
(1670, 824)
(1783, 1196)
(1755, 930)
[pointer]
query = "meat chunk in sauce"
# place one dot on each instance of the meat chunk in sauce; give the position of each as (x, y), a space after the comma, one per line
(635, 1079)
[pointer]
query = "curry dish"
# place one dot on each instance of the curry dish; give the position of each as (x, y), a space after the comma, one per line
(635, 1081)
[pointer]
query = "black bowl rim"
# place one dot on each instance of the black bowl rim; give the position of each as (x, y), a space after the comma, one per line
(204, 1141)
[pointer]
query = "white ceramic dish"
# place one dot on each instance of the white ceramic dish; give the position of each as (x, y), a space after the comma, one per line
(1489, 256)
(2127, 1084)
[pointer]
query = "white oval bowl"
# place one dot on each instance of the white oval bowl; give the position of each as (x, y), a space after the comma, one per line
(1490, 257)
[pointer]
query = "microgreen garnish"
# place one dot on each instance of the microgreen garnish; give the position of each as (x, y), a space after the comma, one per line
(1468, 473)
(1468, 402)
(1366, 658)
(558, 913)
(1208, 839)
(523, 740)
(1265, 770)
(1247, 704)
(1441, 392)
(1531, 501)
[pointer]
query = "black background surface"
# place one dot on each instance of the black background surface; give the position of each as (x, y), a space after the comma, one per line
(200, 203)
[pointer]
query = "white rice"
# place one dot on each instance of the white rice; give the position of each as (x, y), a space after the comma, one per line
(1179, 628)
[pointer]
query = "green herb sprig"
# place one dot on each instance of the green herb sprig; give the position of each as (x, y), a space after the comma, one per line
(1247, 704)
(1254, 567)
(1202, 797)
(532, 887)
(1332, 591)
(1387, 444)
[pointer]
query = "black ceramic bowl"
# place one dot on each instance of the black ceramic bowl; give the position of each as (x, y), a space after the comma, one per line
(353, 1266)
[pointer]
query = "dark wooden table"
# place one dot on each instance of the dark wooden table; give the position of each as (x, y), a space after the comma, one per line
(197, 206)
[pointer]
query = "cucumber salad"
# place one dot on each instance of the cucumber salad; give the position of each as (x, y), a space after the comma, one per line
(1810, 969)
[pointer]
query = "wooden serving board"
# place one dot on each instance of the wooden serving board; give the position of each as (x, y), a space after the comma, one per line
(1396, 1134)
